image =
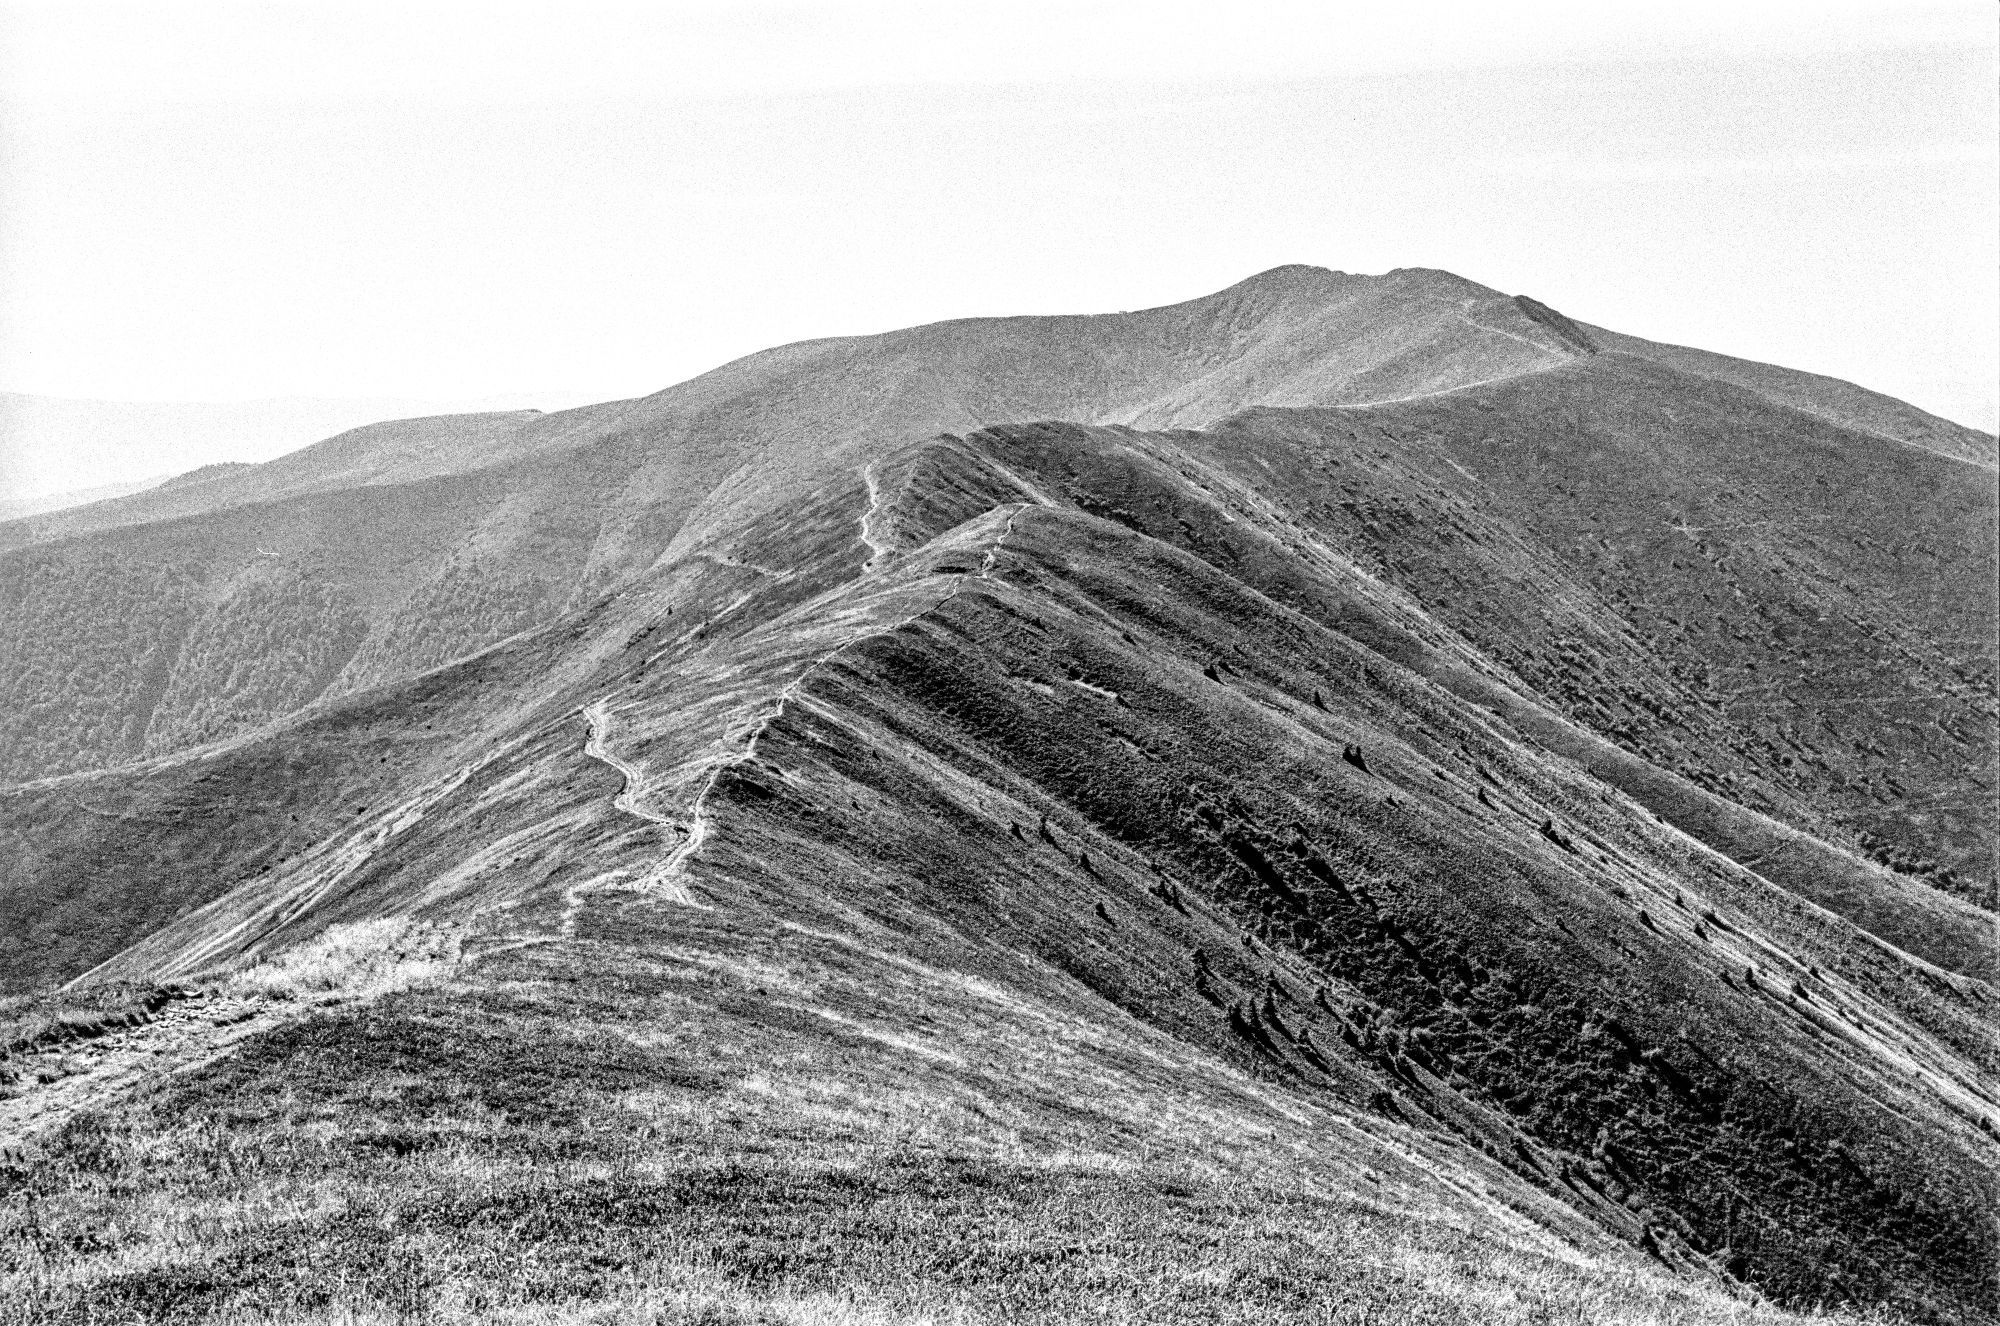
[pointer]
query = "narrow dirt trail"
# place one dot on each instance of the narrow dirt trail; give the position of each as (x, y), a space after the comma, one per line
(598, 715)
(664, 880)
(53, 1085)
(656, 881)
(697, 825)
(877, 549)
(177, 1029)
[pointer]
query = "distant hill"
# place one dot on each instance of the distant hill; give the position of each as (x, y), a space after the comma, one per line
(23, 507)
(1829, 398)
(207, 606)
(206, 474)
(52, 444)
(1349, 752)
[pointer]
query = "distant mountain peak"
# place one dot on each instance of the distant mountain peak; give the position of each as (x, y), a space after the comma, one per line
(1438, 279)
(1292, 274)
(207, 473)
(1304, 278)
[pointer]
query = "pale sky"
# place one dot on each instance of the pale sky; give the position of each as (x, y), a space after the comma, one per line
(568, 201)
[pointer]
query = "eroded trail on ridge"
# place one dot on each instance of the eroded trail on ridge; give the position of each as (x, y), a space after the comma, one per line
(657, 880)
(598, 715)
(177, 1029)
(683, 733)
(54, 1083)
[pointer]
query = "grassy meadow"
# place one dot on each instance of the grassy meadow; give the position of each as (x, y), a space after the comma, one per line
(730, 1127)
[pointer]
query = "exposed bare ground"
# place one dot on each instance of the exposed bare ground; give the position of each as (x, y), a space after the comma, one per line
(198, 1024)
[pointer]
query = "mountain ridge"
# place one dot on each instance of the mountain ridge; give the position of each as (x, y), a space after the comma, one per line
(1546, 802)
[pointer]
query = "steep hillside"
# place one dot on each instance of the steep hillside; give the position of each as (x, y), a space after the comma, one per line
(100, 659)
(151, 638)
(103, 655)
(1079, 724)
(1785, 612)
(1373, 813)
(1833, 400)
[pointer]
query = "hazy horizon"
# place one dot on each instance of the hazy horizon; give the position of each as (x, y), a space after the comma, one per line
(77, 447)
(60, 446)
(215, 203)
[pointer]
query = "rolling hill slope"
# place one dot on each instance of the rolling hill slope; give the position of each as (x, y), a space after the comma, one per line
(1388, 761)
(115, 612)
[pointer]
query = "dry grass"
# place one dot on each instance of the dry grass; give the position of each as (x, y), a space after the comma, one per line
(652, 1144)
(364, 959)
(865, 1237)
(1516, 1296)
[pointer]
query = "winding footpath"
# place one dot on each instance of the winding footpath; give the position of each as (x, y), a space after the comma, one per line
(663, 880)
(660, 880)
(598, 715)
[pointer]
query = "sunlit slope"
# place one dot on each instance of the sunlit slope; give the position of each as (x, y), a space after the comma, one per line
(1830, 398)
(197, 611)
(206, 608)
(1121, 755)
(721, 1114)
(360, 807)
(1288, 336)
(1784, 611)
(1385, 757)
(144, 640)
(1090, 706)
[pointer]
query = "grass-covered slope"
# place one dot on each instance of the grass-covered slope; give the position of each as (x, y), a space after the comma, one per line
(1515, 853)
(1507, 948)
(1057, 866)
(1784, 611)
(206, 608)
(130, 630)
(157, 638)
(722, 1117)
(1838, 402)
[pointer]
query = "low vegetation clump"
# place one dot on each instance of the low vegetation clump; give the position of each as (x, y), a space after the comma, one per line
(360, 958)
